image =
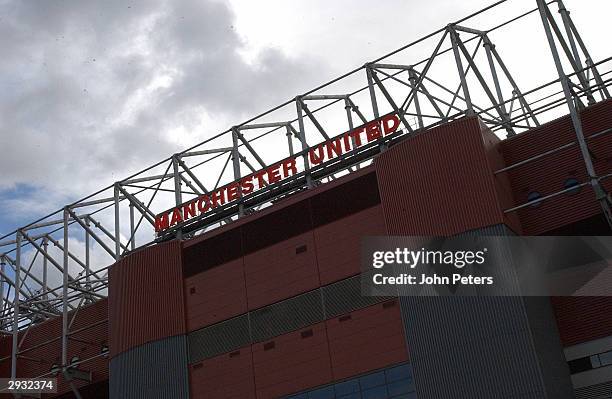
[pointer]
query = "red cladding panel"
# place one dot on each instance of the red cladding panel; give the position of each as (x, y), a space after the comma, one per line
(42, 347)
(146, 297)
(582, 319)
(6, 343)
(228, 376)
(281, 270)
(339, 243)
(439, 182)
(549, 174)
(366, 339)
(292, 362)
(215, 295)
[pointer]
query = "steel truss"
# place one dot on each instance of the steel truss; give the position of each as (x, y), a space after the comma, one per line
(57, 264)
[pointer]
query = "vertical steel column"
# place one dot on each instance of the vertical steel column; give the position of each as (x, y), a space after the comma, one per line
(372, 90)
(87, 264)
(348, 106)
(414, 81)
(500, 98)
(17, 282)
(65, 295)
(236, 167)
(2, 273)
(302, 132)
(178, 194)
(349, 117)
(117, 229)
(132, 228)
(45, 287)
(466, 93)
(570, 37)
(600, 193)
(588, 61)
(289, 140)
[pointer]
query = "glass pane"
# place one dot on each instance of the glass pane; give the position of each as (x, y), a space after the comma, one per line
(399, 372)
(399, 387)
(375, 393)
(372, 380)
(595, 361)
(322, 393)
(347, 387)
(605, 358)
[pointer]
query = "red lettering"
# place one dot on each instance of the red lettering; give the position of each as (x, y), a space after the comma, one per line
(232, 192)
(161, 222)
(203, 204)
(373, 131)
(395, 121)
(176, 217)
(355, 134)
(289, 166)
(218, 198)
(274, 174)
(314, 158)
(189, 210)
(347, 141)
(334, 148)
(260, 180)
(247, 185)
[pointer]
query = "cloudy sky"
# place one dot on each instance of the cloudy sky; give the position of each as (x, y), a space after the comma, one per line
(92, 91)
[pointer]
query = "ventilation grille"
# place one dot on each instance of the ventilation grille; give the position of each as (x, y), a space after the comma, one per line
(280, 318)
(598, 391)
(345, 296)
(286, 316)
(219, 338)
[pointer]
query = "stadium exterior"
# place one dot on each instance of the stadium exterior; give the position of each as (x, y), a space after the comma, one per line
(268, 304)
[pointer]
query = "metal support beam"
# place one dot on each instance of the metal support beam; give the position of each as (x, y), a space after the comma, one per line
(466, 92)
(65, 293)
(117, 228)
(368, 69)
(384, 91)
(146, 212)
(302, 133)
(15, 347)
(236, 166)
(600, 193)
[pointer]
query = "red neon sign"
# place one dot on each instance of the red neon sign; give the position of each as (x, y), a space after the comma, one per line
(328, 150)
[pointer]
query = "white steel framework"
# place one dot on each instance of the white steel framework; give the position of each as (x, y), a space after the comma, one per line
(47, 267)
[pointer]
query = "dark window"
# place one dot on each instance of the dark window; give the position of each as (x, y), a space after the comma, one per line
(212, 252)
(572, 184)
(533, 196)
(104, 350)
(276, 227)
(590, 362)
(346, 199)
(579, 365)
